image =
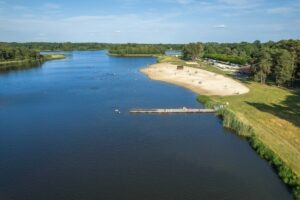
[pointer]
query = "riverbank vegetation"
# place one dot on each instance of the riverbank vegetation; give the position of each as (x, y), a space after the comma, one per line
(14, 53)
(28, 63)
(14, 57)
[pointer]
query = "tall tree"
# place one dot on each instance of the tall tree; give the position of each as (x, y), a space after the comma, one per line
(193, 51)
(262, 65)
(284, 67)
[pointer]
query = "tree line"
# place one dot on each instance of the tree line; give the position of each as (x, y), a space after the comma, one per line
(278, 62)
(130, 48)
(142, 49)
(238, 53)
(65, 46)
(8, 53)
(31, 51)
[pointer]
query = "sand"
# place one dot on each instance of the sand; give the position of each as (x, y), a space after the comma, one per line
(197, 80)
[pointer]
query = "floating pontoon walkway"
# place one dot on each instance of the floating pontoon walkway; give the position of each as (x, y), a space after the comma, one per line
(173, 110)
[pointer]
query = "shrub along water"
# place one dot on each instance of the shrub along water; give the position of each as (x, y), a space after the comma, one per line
(233, 122)
(284, 172)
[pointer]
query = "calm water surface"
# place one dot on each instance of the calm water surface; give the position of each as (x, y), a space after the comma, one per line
(61, 139)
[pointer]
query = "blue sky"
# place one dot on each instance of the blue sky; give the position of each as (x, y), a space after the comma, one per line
(152, 21)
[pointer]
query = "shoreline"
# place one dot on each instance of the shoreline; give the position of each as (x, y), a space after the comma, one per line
(197, 80)
(133, 55)
(28, 63)
(46, 58)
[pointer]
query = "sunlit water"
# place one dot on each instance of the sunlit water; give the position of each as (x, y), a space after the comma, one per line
(60, 138)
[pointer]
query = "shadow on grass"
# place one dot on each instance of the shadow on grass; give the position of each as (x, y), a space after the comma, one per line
(289, 109)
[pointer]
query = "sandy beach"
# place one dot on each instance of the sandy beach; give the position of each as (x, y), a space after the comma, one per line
(197, 80)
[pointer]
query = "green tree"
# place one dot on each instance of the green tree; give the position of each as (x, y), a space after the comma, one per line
(193, 51)
(262, 65)
(284, 67)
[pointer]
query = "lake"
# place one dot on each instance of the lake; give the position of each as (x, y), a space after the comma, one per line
(60, 138)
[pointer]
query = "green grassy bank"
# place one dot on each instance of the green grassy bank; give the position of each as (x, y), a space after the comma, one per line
(53, 56)
(280, 150)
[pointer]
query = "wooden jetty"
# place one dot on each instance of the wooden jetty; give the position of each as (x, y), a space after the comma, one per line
(173, 110)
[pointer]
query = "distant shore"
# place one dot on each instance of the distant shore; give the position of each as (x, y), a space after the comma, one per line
(197, 80)
(28, 63)
(133, 55)
(54, 56)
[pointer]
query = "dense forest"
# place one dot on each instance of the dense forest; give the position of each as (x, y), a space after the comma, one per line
(13, 53)
(238, 53)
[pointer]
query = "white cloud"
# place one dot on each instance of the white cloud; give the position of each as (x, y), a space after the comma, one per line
(280, 10)
(235, 2)
(221, 7)
(184, 2)
(220, 26)
(20, 8)
(51, 6)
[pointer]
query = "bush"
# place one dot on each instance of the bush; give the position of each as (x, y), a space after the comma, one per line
(206, 101)
(284, 172)
(231, 121)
